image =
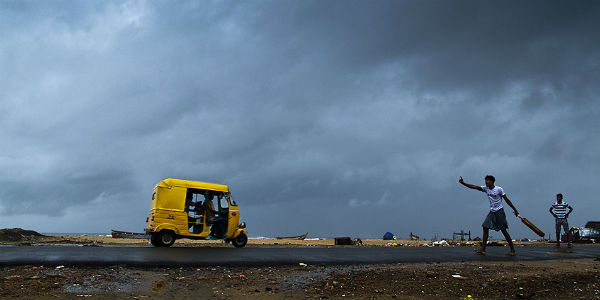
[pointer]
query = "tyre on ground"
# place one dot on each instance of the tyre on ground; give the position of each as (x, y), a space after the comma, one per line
(154, 240)
(164, 238)
(240, 240)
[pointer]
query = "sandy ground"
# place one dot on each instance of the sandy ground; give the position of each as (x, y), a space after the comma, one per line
(107, 240)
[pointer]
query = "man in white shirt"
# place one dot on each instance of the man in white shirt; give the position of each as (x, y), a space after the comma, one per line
(496, 219)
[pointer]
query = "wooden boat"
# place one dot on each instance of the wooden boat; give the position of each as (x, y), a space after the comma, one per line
(414, 237)
(128, 235)
(299, 237)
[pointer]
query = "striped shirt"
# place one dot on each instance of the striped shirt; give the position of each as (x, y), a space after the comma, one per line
(560, 210)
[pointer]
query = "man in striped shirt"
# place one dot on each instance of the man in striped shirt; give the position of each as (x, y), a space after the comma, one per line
(559, 211)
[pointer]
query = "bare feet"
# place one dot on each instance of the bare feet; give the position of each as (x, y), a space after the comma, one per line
(511, 253)
(480, 251)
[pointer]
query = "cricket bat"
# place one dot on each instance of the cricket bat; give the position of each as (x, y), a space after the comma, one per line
(531, 226)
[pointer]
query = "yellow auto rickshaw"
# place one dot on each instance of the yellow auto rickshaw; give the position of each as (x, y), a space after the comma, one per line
(185, 209)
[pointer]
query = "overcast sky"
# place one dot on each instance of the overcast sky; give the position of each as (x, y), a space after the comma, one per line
(340, 118)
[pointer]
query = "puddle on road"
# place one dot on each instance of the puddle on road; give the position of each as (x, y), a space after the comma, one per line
(103, 282)
(301, 279)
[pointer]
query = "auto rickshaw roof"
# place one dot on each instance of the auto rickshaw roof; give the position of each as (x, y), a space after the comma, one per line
(171, 182)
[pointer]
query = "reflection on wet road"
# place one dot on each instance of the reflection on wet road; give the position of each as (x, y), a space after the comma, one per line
(253, 256)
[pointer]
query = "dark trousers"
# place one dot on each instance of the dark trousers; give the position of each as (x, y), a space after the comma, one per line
(219, 227)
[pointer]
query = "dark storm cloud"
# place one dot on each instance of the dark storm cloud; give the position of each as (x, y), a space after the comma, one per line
(360, 113)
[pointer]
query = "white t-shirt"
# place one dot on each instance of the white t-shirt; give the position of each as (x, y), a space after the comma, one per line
(495, 197)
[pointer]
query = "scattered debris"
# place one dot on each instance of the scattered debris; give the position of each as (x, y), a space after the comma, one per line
(494, 243)
(418, 280)
(158, 285)
(443, 243)
(343, 241)
(440, 243)
(117, 234)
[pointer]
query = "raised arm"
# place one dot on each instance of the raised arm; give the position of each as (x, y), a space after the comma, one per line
(471, 186)
(515, 211)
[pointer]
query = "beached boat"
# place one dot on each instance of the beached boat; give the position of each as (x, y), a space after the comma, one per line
(299, 237)
(128, 235)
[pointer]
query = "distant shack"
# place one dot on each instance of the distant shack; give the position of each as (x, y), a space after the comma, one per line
(593, 224)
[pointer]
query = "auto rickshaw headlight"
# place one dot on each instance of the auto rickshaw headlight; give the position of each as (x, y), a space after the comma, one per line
(242, 225)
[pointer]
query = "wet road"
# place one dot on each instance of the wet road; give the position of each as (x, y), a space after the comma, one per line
(265, 256)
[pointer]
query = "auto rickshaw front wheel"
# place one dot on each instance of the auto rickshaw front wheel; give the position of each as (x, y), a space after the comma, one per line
(154, 240)
(240, 240)
(164, 238)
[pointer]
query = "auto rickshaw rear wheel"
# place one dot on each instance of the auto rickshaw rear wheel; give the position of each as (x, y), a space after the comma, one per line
(166, 238)
(240, 240)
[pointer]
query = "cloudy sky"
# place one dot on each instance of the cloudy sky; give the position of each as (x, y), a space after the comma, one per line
(340, 118)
